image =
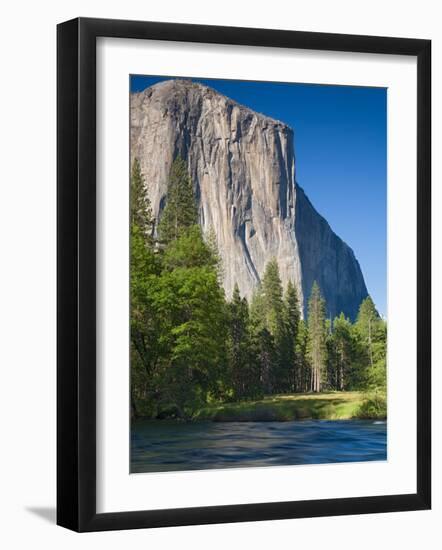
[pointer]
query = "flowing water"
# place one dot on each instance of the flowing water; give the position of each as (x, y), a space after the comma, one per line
(160, 446)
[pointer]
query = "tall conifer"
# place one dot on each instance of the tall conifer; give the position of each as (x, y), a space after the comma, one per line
(180, 211)
(243, 365)
(293, 317)
(140, 208)
(316, 337)
(366, 323)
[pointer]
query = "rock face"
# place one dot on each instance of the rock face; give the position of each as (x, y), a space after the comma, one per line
(243, 168)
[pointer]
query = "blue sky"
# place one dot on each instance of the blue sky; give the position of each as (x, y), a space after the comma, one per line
(341, 157)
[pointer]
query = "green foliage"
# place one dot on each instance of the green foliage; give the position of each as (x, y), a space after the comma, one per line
(178, 311)
(212, 245)
(191, 306)
(293, 309)
(374, 406)
(272, 301)
(316, 346)
(287, 407)
(189, 250)
(370, 332)
(367, 325)
(275, 330)
(341, 352)
(367, 315)
(302, 365)
(263, 342)
(191, 350)
(244, 368)
(180, 211)
(140, 209)
(293, 316)
(143, 270)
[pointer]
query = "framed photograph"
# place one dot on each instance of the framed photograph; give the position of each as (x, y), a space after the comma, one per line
(243, 274)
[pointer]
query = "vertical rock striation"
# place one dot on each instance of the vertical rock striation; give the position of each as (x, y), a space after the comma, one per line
(242, 165)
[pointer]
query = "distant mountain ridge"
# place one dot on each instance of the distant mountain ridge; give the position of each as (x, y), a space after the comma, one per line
(243, 167)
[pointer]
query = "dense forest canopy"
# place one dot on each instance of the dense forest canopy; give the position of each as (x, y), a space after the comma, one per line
(190, 346)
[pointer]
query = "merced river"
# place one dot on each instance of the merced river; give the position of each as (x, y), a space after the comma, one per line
(159, 446)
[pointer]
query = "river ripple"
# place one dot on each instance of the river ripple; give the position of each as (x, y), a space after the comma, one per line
(159, 446)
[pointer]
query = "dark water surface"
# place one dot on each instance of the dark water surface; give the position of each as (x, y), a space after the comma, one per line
(160, 446)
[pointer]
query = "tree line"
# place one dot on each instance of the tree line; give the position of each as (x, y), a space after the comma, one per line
(190, 346)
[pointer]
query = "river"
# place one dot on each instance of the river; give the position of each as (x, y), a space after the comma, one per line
(159, 446)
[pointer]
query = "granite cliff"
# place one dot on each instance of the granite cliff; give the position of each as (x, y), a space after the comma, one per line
(243, 167)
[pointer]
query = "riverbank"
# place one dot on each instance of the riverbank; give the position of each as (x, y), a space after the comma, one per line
(284, 408)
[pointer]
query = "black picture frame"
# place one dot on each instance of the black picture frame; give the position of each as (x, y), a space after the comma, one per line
(77, 287)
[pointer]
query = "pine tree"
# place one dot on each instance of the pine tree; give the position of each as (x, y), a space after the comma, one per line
(272, 293)
(212, 244)
(256, 310)
(188, 250)
(343, 347)
(143, 268)
(191, 304)
(242, 362)
(330, 357)
(265, 351)
(293, 318)
(366, 323)
(316, 337)
(140, 209)
(262, 341)
(293, 309)
(303, 370)
(371, 332)
(275, 316)
(180, 211)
